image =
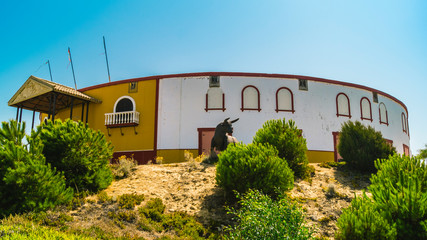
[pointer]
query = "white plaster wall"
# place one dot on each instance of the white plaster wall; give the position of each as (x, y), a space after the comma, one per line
(182, 111)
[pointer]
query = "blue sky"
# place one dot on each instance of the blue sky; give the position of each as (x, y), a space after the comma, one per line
(379, 44)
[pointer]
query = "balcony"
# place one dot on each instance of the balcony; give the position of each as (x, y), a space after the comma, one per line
(122, 119)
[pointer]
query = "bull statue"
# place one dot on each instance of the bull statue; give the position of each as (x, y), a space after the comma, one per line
(222, 137)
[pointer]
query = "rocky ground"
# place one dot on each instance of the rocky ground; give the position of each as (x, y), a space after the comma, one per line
(191, 187)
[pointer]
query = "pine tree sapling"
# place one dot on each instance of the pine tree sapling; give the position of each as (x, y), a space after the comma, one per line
(260, 217)
(253, 166)
(362, 220)
(360, 146)
(27, 183)
(287, 139)
(400, 188)
(82, 153)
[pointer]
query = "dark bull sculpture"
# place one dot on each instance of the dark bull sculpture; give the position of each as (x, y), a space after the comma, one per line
(222, 137)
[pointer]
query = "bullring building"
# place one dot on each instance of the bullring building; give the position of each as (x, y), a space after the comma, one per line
(167, 114)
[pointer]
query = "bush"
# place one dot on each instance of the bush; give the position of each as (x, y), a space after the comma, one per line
(129, 201)
(185, 226)
(81, 153)
(287, 139)
(362, 220)
(153, 209)
(400, 189)
(360, 146)
(242, 167)
(262, 218)
(26, 181)
(124, 167)
(398, 205)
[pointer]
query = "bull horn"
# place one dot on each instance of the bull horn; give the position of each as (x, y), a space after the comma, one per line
(235, 120)
(225, 120)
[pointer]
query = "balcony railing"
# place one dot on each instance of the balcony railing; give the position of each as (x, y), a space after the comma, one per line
(122, 119)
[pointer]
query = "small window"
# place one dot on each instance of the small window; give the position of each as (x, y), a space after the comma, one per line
(215, 99)
(404, 123)
(250, 98)
(365, 109)
(375, 97)
(303, 85)
(133, 87)
(343, 105)
(284, 100)
(214, 81)
(383, 114)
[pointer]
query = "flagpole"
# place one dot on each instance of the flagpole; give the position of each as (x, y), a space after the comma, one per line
(106, 59)
(50, 71)
(72, 68)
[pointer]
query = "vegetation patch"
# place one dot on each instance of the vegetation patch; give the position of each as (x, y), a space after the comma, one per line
(260, 217)
(253, 166)
(360, 146)
(289, 142)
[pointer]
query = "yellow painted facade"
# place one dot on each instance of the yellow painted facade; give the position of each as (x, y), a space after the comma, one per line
(139, 138)
(175, 155)
(320, 156)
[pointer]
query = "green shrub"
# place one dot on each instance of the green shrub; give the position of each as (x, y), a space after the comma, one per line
(262, 218)
(129, 201)
(122, 215)
(103, 197)
(81, 153)
(363, 220)
(423, 153)
(26, 181)
(400, 189)
(360, 146)
(26, 230)
(124, 167)
(153, 209)
(184, 225)
(242, 167)
(287, 139)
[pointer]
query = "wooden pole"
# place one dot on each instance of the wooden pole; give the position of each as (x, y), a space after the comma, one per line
(34, 114)
(71, 108)
(87, 111)
(83, 110)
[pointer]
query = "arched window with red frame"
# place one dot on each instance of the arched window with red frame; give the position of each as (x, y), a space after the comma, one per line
(383, 114)
(365, 109)
(284, 100)
(343, 105)
(250, 98)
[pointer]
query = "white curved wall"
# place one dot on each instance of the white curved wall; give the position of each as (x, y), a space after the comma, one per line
(182, 103)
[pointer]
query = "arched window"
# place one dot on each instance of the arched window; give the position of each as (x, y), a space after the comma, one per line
(343, 105)
(215, 99)
(383, 114)
(404, 123)
(365, 109)
(284, 100)
(250, 98)
(124, 104)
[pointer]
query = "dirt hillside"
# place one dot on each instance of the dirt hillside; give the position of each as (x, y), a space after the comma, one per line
(191, 187)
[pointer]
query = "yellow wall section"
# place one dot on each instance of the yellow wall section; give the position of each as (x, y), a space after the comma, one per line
(175, 155)
(145, 101)
(320, 156)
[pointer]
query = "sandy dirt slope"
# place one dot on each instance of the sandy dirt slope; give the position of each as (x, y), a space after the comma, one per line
(191, 187)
